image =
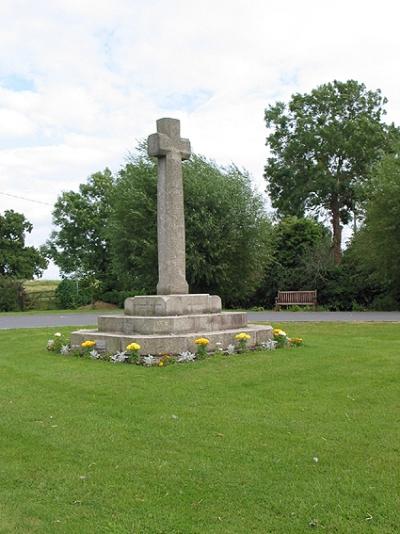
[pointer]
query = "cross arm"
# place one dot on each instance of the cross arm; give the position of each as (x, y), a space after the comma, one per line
(160, 144)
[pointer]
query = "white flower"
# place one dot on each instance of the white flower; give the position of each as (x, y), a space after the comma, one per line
(119, 357)
(230, 349)
(315, 459)
(64, 349)
(50, 343)
(57, 334)
(149, 360)
(218, 346)
(94, 354)
(270, 344)
(186, 356)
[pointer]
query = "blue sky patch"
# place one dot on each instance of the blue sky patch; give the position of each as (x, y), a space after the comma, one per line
(17, 83)
(184, 101)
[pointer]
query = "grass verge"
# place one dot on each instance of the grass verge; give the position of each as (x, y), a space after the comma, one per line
(283, 442)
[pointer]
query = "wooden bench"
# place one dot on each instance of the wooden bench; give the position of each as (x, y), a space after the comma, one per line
(296, 298)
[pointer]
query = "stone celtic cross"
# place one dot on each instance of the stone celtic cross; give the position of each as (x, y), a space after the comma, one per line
(170, 149)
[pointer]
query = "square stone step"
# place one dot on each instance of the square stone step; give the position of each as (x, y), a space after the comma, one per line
(178, 324)
(173, 343)
(164, 305)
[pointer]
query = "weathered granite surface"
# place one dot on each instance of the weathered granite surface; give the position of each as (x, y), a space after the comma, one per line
(172, 305)
(170, 149)
(172, 343)
(176, 324)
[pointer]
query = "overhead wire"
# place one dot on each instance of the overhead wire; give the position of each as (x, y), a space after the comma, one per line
(24, 198)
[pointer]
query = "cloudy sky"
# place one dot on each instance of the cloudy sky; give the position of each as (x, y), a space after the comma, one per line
(82, 80)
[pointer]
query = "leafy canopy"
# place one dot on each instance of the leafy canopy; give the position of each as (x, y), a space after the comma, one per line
(80, 243)
(16, 259)
(227, 230)
(379, 239)
(301, 259)
(322, 146)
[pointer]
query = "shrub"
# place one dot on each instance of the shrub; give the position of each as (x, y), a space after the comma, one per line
(71, 295)
(385, 303)
(117, 297)
(12, 294)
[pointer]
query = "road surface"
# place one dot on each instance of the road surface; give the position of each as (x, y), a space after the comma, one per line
(90, 318)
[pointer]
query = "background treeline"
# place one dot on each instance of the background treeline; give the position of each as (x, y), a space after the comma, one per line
(332, 161)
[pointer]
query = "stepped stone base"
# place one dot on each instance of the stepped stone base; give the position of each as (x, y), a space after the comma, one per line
(171, 343)
(171, 323)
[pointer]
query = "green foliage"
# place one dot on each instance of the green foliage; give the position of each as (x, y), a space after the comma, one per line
(379, 240)
(301, 258)
(227, 231)
(80, 244)
(12, 294)
(16, 259)
(117, 297)
(322, 146)
(71, 294)
(132, 227)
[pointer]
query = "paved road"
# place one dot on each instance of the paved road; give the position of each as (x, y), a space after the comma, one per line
(82, 319)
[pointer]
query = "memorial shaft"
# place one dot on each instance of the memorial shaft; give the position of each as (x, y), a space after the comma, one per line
(170, 149)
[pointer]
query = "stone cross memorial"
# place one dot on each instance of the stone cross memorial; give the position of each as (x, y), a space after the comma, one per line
(170, 149)
(171, 320)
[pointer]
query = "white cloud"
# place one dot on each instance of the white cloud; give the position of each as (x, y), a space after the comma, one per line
(102, 72)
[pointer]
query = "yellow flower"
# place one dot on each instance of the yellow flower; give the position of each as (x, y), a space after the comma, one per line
(202, 341)
(278, 332)
(133, 346)
(242, 336)
(160, 364)
(88, 344)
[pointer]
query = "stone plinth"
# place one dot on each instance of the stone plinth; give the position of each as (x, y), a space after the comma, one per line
(178, 324)
(171, 323)
(160, 305)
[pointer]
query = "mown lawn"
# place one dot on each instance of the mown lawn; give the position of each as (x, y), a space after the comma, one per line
(288, 441)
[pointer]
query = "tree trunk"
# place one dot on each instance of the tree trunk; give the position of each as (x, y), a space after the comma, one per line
(337, 232)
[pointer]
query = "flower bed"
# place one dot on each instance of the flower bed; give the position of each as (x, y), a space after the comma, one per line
(60, 344)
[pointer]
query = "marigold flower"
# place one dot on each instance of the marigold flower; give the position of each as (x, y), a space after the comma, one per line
(242, 336)
(278, 332)
(160, 364)
(133, 346)
(202, 341)
(88, 344)
(296, 340)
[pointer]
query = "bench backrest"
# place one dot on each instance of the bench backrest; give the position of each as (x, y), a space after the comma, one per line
(297, 297)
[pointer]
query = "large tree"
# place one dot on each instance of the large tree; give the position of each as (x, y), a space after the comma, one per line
(227, 230)
(322, 146)
(79, 245)
(378, 241)
(16, 259)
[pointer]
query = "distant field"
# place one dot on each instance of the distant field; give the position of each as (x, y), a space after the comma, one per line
(33, 286)
(40, 294)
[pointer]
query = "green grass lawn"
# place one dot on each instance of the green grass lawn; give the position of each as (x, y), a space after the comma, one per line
(288, 441)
